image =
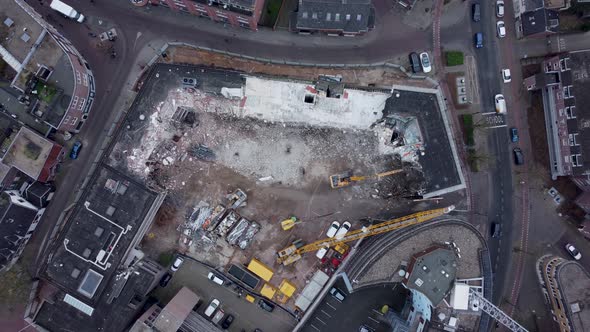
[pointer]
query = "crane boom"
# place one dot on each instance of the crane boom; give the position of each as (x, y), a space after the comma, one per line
(294, 252)
(345, 179)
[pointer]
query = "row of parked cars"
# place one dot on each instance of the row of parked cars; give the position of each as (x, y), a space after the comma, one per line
(420, 63)
(500, 25)
(335, 230)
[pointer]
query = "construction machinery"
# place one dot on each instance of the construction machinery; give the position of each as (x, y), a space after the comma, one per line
(295, 251)
(289, 223)
(345, 179)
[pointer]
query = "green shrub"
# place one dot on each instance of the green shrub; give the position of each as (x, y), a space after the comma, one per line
(454, 58)
(468, 128)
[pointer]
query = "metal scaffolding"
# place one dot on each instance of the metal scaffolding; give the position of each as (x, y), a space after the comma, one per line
(495, 312)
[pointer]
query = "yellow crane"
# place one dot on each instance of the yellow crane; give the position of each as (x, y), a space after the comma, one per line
(345, 179)
(294, 252)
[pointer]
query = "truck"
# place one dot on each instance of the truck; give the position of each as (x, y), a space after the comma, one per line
(67, 10)
(500, 104)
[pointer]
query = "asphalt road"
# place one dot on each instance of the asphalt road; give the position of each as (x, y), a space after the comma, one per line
(248, 316)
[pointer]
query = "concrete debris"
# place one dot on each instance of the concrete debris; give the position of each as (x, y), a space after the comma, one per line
(248, 236)
(214, 218)
(232, 93)
(200, 213)
(237, 199)
(234, 235)
(226, 224)
(265, 179)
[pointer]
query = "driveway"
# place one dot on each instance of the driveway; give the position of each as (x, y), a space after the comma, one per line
(248, 316)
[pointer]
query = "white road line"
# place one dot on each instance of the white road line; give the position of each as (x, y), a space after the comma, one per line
(373, 319)
(315, 327)
(330, 305)
(488, 113)
(321, 321)
(502, 126)
(325, 313)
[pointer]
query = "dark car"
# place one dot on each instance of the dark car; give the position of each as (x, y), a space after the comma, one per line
(518, 156)
(415, 62)
(165, 279)
(514, 135)
(496, 229)
(476, 12)
(266, 305)
(478, 40)
(76, 150)
(227, 322)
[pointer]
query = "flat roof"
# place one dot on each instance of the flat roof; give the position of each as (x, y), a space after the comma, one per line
(176, 311)
(28, 152)
(99, 232)
(432, 273)
(574, 282)
(15, 221)
(13, 36)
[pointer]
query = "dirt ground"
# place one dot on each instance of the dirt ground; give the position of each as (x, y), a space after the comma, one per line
(379, 76)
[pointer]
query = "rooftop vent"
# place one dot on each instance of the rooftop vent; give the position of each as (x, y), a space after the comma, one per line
(98, 231)
(75, 273)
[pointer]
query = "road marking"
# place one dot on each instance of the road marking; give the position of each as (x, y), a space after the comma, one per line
(315, 327)
(373, 319)
(488, 113)
(321, 321)
(502, 126)
(325, 313)
(330, 306)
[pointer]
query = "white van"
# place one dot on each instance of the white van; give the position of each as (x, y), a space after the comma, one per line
(67, 10)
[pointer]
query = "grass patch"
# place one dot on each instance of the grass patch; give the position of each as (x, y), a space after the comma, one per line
(270, 13)
(454, 58)
(468, 130)
(16, 286)
(165, 258)
(46, 92)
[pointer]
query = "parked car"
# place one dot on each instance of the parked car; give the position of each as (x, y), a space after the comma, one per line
(478, 40)
(500, 8)
(365, 328)
(76, 150)
(337, 294)
(415, 63)
(266, 305)
(177, 263)
(212, 307)
(518, 156)
(213, 277)
(343, 230)
(500, 102)
(218, 316)
(501, 29)
(476, 12)
(496, 230)
(333, 229)
(573, 251)
(165, 279)
(514, 135)
(227, 322)
(322, 252)
(506, 77)
(425, 62)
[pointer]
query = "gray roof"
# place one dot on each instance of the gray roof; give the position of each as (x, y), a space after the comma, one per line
(533, 4)
(15, 221)
(539, 21)
(432, 273)
(335, 15)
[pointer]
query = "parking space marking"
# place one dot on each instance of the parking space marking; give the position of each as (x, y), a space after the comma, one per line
(373, 319)
(329, 305)
(325, 313)
(314, 327)
(321, 321)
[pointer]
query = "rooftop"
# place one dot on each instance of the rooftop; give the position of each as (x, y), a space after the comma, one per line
(579, 62)
(29, 153)
(15, 221)
(574, 283)
(539, 21)
(337, 15)
(433, 272)
(176, 311)
(18, 31)
(99, 233)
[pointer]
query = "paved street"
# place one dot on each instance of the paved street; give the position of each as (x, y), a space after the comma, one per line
(248, 316)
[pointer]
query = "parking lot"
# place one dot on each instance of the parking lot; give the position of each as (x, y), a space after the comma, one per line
(359, 308)
(248, 316)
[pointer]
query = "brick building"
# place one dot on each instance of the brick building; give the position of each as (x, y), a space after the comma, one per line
(237, 13)
(335, 17)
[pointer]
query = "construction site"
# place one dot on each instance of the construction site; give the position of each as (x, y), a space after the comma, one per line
(252, 164)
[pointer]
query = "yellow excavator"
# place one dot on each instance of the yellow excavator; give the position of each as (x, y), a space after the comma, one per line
(294, 252)
(289, 223)
(345, 179)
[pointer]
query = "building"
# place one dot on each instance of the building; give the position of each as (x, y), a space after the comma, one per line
(18, 220)
(564, 284)
(95, 278)
(56, 82)
(34, 155)
(237, 13)
(537, 18)
(335, 17)
(563, 82)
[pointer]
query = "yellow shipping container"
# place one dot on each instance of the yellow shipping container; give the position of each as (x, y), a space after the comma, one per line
(259, 269)
(268, 291)
(287, 288)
